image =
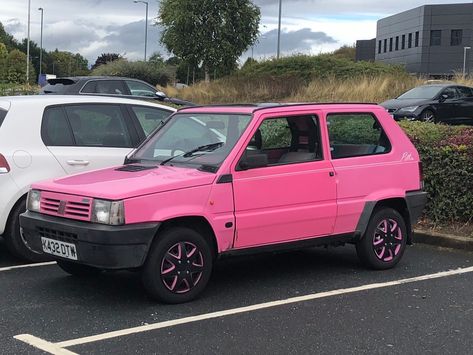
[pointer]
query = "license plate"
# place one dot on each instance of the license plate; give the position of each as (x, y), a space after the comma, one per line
(58, 248)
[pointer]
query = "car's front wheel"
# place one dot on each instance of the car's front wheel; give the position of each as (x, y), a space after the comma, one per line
(178, 266)
(384, 241)
(428, 116)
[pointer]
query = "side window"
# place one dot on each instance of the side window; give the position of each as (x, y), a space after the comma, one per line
(285, 140)
(3, 114)
(149, 117)
(357, 134)
(55, 131)
(140, 89)
(451, 93)
(465, 92)
(98, 126)
(109, 87)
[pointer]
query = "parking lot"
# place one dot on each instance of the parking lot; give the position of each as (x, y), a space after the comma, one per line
(317, 300)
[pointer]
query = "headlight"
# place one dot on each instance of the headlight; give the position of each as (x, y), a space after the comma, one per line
(108, 212)
(34, 200)
(409, 108)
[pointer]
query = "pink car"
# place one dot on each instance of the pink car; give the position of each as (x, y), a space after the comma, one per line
(222, 180)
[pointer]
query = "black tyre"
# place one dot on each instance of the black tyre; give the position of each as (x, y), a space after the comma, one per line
(428, 116)
(178, 266)
(384, 241)
(13, 239)
(78, 269)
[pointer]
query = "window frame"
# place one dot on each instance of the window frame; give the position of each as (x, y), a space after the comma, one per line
(379, 46)
(375, 118)
(136, 122)
(385, 45)
(318, 120)
(416, 39)
(397, 43)
(435, 44)
(43, 131)
(459, 39)
(409, 40)
(403, 42)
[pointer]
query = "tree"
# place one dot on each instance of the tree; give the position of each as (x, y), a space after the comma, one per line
(16, 67)
(105, 58)
(347, 52)
(7, 39)
(211, 33)
(67, 64)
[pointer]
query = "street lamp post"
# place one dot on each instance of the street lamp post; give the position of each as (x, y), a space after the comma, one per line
(146, 23)
(464, 60)
(41, 43)
(28, 45)
(279, 29)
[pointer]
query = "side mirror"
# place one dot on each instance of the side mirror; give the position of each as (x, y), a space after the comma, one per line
(444, 97)
(253, 161)
(161, 95)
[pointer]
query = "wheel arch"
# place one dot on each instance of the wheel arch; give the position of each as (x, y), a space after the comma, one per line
(199, 223)
(397, 203)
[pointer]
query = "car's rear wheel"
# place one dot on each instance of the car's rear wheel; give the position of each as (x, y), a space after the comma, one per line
(178, 266)
(78, 269)
(428, 116)
(13, 238)
(384, 241)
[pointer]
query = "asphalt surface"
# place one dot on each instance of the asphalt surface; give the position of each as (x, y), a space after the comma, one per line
(430, 316)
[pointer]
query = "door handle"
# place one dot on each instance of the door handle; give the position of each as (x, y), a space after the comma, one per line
(78, 162)
(331, 174)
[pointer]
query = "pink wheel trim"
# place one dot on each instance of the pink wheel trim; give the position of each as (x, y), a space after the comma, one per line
(182, 267)
(387, 240)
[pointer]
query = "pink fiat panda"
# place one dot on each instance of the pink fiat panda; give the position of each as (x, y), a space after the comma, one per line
(222, 180)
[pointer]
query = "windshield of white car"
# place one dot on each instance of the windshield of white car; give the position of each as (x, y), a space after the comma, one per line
(421, 92)
(200, 140)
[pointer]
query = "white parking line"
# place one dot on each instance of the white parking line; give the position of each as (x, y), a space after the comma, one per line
(9, 268)
(252, 308)
(43, 345)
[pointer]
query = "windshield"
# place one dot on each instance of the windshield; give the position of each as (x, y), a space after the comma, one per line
(203, 140)
(421, 92)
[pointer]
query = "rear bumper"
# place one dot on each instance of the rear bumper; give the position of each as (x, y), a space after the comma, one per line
(8, 192)
(101, 246)
(416, 201)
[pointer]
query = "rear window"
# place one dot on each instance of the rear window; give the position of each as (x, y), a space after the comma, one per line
(3, 114)
(57, 86)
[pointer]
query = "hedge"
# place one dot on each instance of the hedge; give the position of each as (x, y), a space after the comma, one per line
(447, 156)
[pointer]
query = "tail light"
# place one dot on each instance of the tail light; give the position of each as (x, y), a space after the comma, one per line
(4, 167)
(421, 175)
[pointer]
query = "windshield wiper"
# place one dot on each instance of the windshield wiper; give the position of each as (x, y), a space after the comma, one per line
(203, 148)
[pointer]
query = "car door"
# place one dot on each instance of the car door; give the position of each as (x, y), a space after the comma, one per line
(448, 107)
(291, 197)
(465, 108)
(105, 87)
(88, 136)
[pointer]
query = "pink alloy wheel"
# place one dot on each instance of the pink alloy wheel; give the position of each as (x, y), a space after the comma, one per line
(182, 267)
(387, 240)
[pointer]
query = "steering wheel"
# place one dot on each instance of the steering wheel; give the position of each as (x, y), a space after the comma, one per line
(181, 146)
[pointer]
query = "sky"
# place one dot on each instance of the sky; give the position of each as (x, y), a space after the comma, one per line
(92, 27)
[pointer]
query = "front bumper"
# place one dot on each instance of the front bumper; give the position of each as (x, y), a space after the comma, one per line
(101, 246)
(410, 116)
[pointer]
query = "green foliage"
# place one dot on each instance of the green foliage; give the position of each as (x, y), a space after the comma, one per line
(152, 72)
(321, 66)
(346, 52)
(105, 58)
(16, 68)
(212, 32)
(447, 157)
(67, 64)
(352, 130)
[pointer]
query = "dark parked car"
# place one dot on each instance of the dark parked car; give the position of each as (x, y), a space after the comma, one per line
(447, 103)
(108, 86)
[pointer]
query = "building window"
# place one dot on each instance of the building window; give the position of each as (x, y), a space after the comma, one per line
(435, 37)
(409, 41)
(391, 44)
(379, 47)
(397, 43)
(416, 43)
(385, 46)
(456, 38)
(403, 42)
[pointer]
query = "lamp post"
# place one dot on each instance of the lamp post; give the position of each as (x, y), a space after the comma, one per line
(146, 23)
(279, 29)
(28, 45)
(41, 43)
(464, 60)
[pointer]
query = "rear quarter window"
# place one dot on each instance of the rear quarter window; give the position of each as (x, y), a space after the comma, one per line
(3, 114)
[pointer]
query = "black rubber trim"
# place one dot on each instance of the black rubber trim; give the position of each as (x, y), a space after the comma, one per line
(102, 246)
(416, 201)
(225, 179)
(338, 239)
(365, 218)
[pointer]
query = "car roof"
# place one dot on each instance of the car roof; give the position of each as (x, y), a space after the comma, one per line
(251, 108)
(96, 77)
(70, 99)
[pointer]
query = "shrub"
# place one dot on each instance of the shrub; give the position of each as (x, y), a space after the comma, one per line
(447, 157)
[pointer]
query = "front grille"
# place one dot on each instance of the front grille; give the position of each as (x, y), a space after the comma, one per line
(67, 206)
(56, 235)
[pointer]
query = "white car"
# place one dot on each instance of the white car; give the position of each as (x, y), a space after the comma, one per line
(43, 137)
